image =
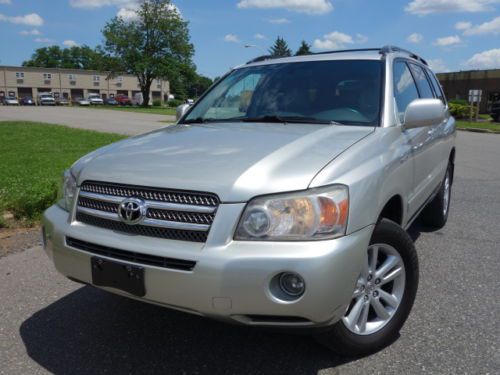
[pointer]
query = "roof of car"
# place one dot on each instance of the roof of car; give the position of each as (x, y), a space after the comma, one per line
(352, 54)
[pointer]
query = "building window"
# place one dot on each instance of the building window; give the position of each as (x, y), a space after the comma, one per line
(97, 78)
(119, 79)
(47, 76)
(72, 77)
(20, 75)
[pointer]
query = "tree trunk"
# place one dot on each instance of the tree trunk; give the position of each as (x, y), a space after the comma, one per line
(145, 95)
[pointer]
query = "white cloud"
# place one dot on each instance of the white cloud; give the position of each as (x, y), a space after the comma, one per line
(463, 25)
(279, 21)
(90, 4)
(490, 27)
(127, 14)
(303, 6)
(30, 32)
(485, 60)
(448, 41)
(333, 40)
(360, 38)
(424, 7)
(260, 36)
(415, 38)
(232, 38)
(44, 40)
(70, 43)
(438, 65)
(5, 2)
(31, 19)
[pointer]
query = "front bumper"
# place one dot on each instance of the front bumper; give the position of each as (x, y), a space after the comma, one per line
(231, 279)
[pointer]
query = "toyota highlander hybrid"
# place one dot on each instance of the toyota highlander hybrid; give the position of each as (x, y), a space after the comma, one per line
(281, 198)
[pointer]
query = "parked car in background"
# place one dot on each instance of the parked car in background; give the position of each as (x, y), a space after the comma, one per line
(111, 101)
(95, 99)
(80, 101)
(138, 99)
(10, 100)
(495, 111)
(62, 101)
(46, 99)
(281, 198)
(27, 100)
(123, 100)
(190, 101)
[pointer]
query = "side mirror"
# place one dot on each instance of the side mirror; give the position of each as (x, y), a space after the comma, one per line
(424, 112)
(181, 110)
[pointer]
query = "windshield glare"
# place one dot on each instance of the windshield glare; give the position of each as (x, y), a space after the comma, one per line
(343, 91)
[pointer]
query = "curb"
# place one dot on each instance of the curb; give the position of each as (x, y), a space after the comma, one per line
(478, 130)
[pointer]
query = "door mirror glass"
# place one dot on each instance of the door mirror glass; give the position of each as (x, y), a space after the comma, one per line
(424, 112)
(181, 110)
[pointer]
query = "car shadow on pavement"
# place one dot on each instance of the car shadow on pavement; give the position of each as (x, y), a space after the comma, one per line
(92, 332)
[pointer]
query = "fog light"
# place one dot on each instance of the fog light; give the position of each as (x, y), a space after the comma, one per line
(292, 284)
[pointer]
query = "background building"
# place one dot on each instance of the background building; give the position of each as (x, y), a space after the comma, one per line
(73, 83)
(456, 85)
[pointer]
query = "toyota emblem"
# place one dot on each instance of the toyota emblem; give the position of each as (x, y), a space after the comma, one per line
(132, 210)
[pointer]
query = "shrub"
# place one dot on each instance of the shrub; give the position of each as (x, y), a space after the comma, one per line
(175, 103)
(157, 103)
(458, 101)
(459, 110)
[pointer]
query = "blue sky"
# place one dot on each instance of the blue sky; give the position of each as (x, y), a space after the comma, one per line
(452, 34)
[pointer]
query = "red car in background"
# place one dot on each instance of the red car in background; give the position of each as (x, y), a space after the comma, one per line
(123, 100)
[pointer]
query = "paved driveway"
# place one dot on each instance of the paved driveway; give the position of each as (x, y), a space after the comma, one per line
(49, 324)
(105, 120)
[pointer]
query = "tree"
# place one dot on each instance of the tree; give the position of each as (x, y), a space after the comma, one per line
(280, 48)
(304, 49)
(76, 57)
(153, 44)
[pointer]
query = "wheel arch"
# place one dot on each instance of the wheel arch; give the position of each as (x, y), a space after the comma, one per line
(393, 210)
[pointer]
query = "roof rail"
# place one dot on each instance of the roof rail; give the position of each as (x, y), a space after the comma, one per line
(346, 50)
(387, 49)
(260, 58)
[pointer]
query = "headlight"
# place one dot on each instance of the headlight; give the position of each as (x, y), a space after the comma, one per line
(314, 214)
(67, 191)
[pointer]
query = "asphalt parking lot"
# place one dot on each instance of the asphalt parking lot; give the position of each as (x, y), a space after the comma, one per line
(103, 120)
(49, 324)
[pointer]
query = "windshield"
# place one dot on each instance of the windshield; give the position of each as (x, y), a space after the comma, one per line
(344, 91)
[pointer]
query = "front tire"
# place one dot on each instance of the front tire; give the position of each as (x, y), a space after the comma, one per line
(383, 296)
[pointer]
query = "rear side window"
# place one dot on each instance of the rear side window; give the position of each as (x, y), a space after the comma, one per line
(405, 90)
(437, 87)
(424, 87)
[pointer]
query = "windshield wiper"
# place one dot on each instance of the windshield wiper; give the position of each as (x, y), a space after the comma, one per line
(199, 120)
(289, 119)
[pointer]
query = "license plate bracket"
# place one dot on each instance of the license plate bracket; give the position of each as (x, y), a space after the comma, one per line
(118, 275)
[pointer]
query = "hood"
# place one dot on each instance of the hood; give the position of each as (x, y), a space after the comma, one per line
(236, 161)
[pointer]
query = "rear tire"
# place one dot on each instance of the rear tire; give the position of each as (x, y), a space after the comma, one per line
(374, 333)
(436, 213)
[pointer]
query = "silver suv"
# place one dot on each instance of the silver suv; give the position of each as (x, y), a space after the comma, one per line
(280, 198)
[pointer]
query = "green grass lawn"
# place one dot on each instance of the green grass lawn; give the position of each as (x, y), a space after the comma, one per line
(33, 157)
(478, 125)
(153, 110)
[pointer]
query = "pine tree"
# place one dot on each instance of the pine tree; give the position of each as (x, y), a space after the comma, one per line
(304, 49)
(280, 48)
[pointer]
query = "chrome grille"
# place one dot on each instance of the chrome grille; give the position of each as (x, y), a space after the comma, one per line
(172, 214)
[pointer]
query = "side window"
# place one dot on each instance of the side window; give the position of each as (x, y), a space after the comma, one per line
(437, 87)
(405, 90)
(424, 87)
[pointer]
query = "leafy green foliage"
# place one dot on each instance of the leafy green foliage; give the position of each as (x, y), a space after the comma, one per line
(459, 110)
(34, 155)
(459, 101)
(155, 44)
(280, 48)
(304, 49)
(82, 57)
